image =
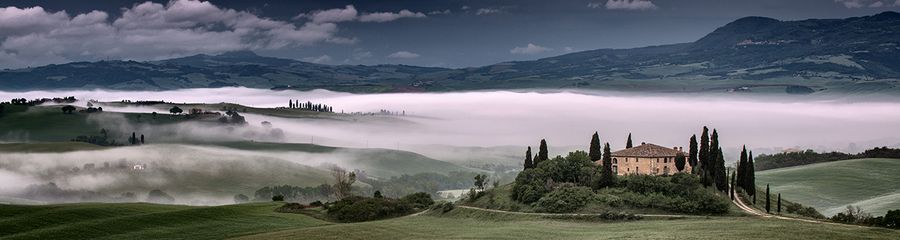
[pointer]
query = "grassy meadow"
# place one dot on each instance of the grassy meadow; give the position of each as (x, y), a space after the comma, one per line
(144, 221)
(829, 187)
(259, 221)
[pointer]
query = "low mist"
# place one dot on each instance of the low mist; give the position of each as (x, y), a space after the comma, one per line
(505, 118)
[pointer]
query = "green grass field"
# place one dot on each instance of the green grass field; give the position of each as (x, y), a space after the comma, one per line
(144, 221)
(475, 224)
(829, 187)
(259, 221)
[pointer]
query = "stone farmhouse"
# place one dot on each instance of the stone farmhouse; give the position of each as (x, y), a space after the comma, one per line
(648, 158)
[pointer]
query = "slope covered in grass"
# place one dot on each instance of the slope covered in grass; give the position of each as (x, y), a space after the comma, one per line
(381, 163)
(145, 221)
(829, 187)
(475, 224)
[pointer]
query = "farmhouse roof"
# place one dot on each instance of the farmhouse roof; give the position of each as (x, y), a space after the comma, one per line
(647, 150)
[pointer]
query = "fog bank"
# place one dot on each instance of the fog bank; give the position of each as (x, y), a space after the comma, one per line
(564, 118)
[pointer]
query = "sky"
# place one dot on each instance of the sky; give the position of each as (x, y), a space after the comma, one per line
(451, 33)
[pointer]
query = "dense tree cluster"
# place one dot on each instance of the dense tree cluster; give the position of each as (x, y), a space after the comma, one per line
(790, 159)
(310, 106)
(39, 101)
(565, 184)
(711, 161)
(856, 215)
(746, 173)
(359, 209)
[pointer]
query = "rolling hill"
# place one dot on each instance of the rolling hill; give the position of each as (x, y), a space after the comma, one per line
(853, 55)
(829, 187)
(259, 221)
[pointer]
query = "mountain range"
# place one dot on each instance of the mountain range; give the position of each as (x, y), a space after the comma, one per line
(859, 54)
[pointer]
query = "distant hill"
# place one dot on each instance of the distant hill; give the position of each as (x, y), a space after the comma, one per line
(870, 183)
(853, 55)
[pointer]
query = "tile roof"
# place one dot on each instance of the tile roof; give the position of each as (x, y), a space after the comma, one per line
(647, 150)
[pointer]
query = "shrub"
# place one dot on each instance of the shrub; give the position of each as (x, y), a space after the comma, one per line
(278, 198)
(443, 207)
(891, 219)
(419, 200)
(610, 200)
(565, 199)
(290, 208)
(358, 209)
(317, 203)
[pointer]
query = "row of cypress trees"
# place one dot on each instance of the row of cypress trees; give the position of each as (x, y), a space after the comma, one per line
(746, 174)
(708, 161)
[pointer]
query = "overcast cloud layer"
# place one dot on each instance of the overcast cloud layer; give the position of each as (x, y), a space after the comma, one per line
(459, 33)
(34, 36)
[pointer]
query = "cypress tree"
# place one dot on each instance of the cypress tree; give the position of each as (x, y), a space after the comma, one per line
(528, 161)
(595, 150)
(692, 153)
(751, 176)
(721, 176)
(768, 202)
(628, 143)
(741, 170)
(133, 138)
(543, 155)
(607, 177)
(731, 190)
(713, 156)
(704, 150)
(779, 203)
(680, 161)
(142, 138)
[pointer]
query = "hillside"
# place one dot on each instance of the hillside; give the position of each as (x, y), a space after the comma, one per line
(829, 187)
(144, 221)
(259, 221)
(856, 55)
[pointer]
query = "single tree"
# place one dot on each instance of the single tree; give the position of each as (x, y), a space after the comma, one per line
(751, 176)
(779, 203)
(480, 181)
(628, 142)
(741, 170)
(175, 110)
(595, 150)
(692, 153)
(343, 182)
(528, 161)
(607, 177)
(680, 161)
(704, 150)
(377, 194)
(712, 160)
(153, 114)
(543, 155)
(768, 200)
(133, 138)
(731, 189)
(721, 173)
(142, 138)
(68, 109)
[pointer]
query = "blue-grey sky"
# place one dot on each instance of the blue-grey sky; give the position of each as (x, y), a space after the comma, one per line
(453, 33)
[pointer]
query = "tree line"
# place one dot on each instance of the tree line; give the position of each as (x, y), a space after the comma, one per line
(309, 106)
(790, 159)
